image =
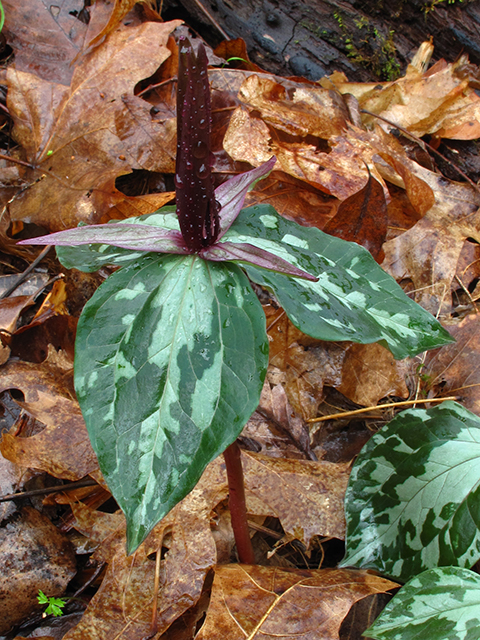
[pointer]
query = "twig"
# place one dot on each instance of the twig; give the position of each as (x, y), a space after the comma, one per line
(10, 159)
(23, 276)
(424, 144)
(89, 482)
(388, 405)
(212, 19)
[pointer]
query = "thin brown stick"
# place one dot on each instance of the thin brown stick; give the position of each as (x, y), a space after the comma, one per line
(89, 482)
(10, 159)
(424, 144)
(23, 276)
(237, 504)
(212, 19)
(388, 405)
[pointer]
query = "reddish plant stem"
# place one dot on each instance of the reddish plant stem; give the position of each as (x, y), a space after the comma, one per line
(237, 504)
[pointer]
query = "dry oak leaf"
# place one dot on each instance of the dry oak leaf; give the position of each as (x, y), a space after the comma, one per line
(455, 369)
(440, 101)
(81, 137)
(63, 448)
(428, 252)
(266, 603)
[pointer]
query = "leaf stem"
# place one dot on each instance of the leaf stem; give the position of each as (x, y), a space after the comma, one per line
(237, 504)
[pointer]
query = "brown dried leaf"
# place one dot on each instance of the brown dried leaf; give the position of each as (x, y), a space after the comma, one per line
(267, 602)
(370, 373)
(306, 496)
(294, 199)
(129, 581)
(302, 111)
(10, 310)
(362, 218)
(455, 369)
(49, 38)
(37, 556)
(63, 448)
(440, 101)
(81, 137)
(428, 252)
(112, 15)
(236, 49)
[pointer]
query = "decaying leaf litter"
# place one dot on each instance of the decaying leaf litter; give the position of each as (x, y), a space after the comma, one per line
(82, 122)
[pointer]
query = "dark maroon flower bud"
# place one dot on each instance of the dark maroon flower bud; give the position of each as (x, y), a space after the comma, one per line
(197, 208)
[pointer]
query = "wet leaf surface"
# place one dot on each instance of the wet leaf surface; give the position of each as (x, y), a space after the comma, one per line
(82, 136)
(291, 603)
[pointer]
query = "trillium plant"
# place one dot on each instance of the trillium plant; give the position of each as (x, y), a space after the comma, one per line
(172, 349)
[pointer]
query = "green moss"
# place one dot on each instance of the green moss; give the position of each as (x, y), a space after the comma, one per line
(370, 48)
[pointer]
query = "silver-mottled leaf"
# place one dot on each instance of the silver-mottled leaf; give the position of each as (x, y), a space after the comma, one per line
(354, 299)
(413, 499)
(438, 604)
(171, 355)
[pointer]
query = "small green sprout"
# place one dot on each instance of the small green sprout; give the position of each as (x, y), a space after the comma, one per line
(55, 605)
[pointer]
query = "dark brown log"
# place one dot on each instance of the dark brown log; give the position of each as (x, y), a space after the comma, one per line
(366, 39)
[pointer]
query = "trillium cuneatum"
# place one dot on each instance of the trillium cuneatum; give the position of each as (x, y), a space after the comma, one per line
(171, 350)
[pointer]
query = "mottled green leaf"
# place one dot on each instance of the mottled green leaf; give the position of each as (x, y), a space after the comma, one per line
(354, 299)
(438, 604)
(171, 355)
(413, 499)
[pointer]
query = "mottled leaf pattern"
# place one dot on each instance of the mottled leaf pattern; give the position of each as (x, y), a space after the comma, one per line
(439, 604)
(171, 355)
(354, 299)
(413, 499)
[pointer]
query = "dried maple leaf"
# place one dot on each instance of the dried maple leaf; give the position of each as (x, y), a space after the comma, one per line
(105, 18)
(253, 603)
(81, 137)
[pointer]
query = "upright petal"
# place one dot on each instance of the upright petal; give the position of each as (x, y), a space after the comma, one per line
(197, 208)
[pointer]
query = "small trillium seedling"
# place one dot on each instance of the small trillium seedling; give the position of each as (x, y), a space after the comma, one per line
(171, 350)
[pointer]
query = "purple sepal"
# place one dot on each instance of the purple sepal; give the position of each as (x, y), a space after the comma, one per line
(137, 237)
(231, 194)
(250, 254)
